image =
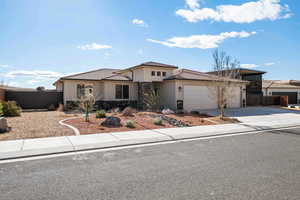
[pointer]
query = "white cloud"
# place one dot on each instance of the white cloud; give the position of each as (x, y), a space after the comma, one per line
(245, 13)
(4, 66)
(33, 81)
(139, 22)
(249, 66)
(202, 41)
(37, 74)
(192, 4)
(269, 64)
(94, 46)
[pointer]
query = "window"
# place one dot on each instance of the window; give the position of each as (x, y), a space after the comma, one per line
(122, 92)
(164, 73)
(80, 90)
(153, 73)
(158, 73)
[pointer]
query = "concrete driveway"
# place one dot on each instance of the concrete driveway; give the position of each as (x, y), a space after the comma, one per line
(261, 116)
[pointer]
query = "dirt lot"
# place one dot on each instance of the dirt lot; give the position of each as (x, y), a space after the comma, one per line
(143, 120)
(36, 125)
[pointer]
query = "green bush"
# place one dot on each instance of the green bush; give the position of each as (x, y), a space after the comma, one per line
(129, 124)
(10, 109)
(158, 121)
(1, 109)
(100, 114)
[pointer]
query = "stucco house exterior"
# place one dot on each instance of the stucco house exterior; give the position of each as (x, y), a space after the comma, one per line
(290, 88)
(178, 89)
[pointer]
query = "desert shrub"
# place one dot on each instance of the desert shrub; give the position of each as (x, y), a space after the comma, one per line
(158, 121)
(129, 124)
(10, 109)
(128, 111)
(51, 107)
(100, 114)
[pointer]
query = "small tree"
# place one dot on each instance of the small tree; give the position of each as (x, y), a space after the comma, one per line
(225, 70)
(86, 103)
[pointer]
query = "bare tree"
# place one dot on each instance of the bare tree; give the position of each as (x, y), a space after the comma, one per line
(225, 70)
(86, 103)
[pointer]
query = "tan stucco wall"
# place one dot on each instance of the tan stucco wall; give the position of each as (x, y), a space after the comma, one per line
(102, 90)
(168, 94)
(110, 92)
(143, 74)
(70, 89)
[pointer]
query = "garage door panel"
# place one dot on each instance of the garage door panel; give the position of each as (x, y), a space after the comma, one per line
(203, 97)
(292, 96)
(198, 97)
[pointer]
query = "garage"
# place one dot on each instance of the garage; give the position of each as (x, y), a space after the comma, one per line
(292, 96)
(202, 97)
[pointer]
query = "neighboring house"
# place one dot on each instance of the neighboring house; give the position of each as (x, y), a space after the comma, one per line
(288, 88)
(254, 88)
(178, 88)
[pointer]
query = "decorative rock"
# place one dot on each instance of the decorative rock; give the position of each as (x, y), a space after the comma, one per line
(111, 122)
(3, 125)
(167, 111)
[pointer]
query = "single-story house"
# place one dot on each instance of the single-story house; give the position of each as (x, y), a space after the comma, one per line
(290, 88)
(178, 89)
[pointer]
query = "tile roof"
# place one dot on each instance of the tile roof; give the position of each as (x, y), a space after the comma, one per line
(186, 74)
(91, 75)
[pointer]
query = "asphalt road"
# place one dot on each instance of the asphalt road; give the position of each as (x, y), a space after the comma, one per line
(263, 166)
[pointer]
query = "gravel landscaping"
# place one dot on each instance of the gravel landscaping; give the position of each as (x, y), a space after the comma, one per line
(142, 121)
(36, 125)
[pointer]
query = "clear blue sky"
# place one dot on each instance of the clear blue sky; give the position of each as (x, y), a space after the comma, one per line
(43, 39)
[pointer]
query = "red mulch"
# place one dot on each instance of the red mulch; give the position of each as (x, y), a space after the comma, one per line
(142, 121)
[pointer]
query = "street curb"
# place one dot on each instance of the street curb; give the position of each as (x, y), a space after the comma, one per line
(143, 143)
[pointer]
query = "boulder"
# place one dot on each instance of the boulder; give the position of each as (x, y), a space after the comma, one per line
(112, 122)
(3, 125)
(167, 111)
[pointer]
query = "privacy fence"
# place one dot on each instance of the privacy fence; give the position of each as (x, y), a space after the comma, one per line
(35, 99)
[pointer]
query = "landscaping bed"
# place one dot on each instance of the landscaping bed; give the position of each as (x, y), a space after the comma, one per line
(36, 125)
(142, 121)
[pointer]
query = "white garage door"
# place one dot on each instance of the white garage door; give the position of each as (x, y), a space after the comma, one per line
(198, 97)
(201, 97)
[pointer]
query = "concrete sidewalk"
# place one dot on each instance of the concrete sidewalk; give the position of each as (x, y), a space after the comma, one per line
(43, 146)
